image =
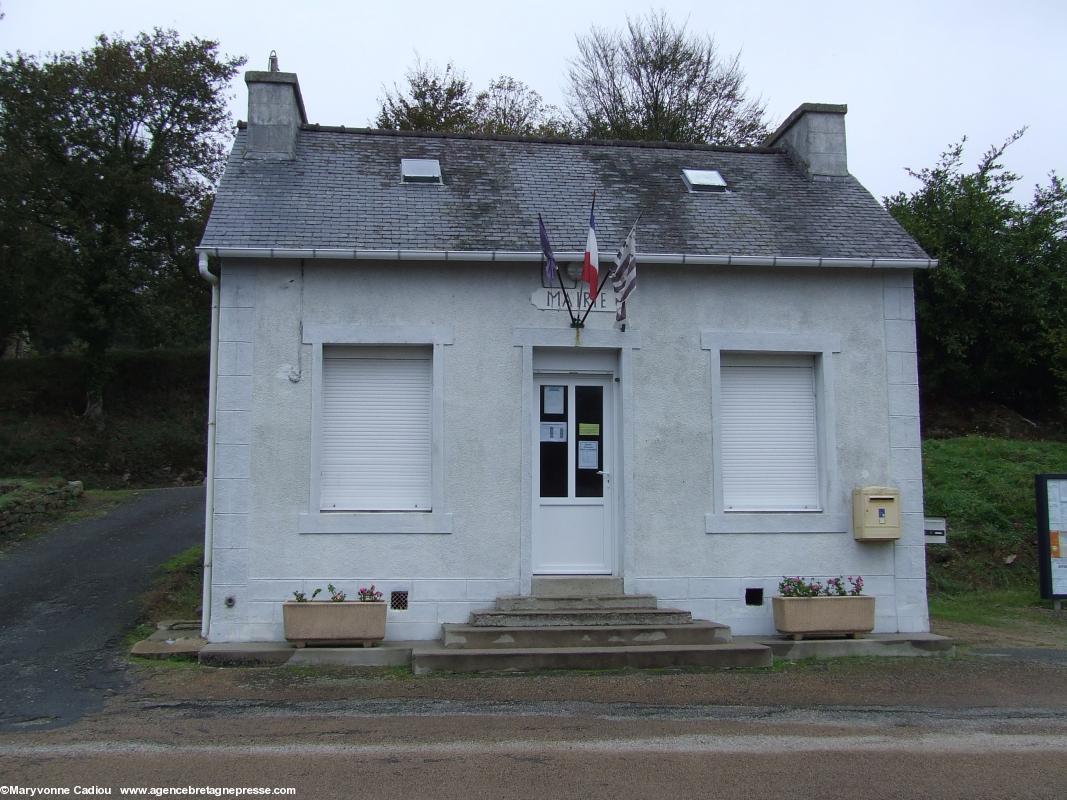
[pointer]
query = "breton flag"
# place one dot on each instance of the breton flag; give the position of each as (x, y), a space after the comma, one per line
(592, 257)
(624, 273)
(550, 258)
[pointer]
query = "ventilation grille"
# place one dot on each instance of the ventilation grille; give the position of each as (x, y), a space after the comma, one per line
(398, 601)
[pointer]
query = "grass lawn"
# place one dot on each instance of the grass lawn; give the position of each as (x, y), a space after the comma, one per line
(987, 573)
(176, 590)
(175, 593)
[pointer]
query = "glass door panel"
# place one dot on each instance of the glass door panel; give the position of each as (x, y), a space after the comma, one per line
(589, 450)
(554, 433)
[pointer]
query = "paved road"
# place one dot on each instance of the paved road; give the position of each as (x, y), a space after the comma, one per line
(68, 597)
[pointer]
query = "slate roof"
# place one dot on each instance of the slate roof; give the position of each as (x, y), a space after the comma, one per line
(343, 190)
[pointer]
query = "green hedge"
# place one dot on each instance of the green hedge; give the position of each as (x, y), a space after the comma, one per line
(154, 429)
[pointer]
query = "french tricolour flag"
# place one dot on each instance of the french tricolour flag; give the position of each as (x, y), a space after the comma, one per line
(592, 256)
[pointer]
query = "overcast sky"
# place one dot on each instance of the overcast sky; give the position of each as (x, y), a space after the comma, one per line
(916, 75)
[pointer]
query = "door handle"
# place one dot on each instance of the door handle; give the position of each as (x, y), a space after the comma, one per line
(602, 473)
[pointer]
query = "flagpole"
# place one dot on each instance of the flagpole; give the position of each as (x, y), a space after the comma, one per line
(576, 323)
(567, 299)
(595, 297)
(607, 274)
(559, 278)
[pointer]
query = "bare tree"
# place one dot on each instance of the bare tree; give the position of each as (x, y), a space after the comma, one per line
(510, 107)
(437, 100)
(656, 82)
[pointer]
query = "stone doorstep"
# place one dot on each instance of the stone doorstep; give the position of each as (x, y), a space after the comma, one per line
(167, 643)
(425, 661)
(481, 638)
(581, 616)
(575, 585)
(604, 602)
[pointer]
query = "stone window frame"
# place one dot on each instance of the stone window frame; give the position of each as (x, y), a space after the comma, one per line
(822, 347)
(439, 518)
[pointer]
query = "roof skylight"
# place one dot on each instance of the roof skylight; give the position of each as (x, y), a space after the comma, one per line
(704, 180)
(420, 170)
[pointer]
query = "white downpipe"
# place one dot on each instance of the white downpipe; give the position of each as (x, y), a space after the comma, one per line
(209, 475)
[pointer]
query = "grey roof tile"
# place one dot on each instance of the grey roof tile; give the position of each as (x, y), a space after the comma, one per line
(343, 190)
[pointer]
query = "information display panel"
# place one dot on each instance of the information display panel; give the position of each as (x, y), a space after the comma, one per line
(1051, 491)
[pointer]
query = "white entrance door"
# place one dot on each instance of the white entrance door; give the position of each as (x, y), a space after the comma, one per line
(573, 531)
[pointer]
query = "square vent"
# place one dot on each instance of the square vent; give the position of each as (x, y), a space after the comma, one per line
(703, 180)
(420, 170)
(398, 601)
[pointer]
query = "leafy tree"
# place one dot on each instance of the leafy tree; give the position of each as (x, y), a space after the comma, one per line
(446, 102)
(656, 82)
(434, 101)
(108, 160)
(992, 317)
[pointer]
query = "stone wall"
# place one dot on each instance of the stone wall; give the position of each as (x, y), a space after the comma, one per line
(23, 503)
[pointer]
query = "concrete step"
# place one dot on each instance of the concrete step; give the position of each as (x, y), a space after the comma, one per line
(494, 660)
(608, 601)
(575, 585)
(482, 638)
(580, 617)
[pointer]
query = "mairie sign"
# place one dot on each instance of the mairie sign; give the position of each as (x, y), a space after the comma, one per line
(552, 300)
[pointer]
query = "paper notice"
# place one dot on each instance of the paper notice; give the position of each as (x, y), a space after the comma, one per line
(554, 397)
(588, 455)
(553, 431)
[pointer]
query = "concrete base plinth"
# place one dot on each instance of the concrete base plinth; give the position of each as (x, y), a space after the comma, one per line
(425, 661)
(873, 644)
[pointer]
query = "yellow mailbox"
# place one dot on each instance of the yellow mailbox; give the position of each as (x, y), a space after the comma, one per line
(875, 513)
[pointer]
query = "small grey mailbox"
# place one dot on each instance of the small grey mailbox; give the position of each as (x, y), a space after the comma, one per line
(936, 530)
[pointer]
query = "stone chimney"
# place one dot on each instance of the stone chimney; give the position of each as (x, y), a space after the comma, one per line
(275, 112)
(814, 135)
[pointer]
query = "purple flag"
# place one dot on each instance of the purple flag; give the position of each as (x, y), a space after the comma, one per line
(550, 259)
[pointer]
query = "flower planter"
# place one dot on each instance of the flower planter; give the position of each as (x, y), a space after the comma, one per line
(818, 616)
(328, 623)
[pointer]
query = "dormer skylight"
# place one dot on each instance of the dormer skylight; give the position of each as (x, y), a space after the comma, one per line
(703, 180)
(420, 170)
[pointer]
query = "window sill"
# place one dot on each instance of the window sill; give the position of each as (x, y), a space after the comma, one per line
(776, 522)
(375, 522)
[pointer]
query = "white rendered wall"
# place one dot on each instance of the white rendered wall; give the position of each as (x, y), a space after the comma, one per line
(265, 439)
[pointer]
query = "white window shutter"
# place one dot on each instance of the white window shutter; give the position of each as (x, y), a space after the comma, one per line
(376, 429)
(768, 430)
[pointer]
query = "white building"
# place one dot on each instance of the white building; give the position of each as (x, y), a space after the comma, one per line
(400, 400)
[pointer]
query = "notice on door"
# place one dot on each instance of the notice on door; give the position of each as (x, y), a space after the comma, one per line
(553, 431)
(554, 399)
(588, 455)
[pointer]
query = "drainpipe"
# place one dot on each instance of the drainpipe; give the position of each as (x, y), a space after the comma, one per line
(209, 475)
